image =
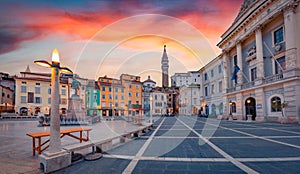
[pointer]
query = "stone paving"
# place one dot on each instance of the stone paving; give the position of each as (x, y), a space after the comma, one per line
(198, 145)
(16, 146)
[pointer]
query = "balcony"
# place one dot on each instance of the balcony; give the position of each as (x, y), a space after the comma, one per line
(229, 90)
(273, 78)
(248, 85)
(251, 54)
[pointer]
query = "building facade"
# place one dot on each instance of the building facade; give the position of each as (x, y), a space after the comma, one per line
(148, 86)
(189, 100)
(133, 94)
(113, 96)
(33, 94)
(159, 103)
(212, 87)
(261, 52)
(185, 79)
(93, 106)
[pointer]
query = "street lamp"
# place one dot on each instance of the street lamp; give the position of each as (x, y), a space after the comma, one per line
(151, 116)
(55, 142)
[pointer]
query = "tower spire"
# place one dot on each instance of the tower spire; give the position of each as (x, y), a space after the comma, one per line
(165, 68)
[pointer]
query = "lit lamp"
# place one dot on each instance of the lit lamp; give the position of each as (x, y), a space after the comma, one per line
(151, 116)
(55, 142)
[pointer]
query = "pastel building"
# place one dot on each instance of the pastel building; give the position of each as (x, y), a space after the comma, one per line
(92, 98)
(212, 87)
(148, 86)
(260, 51)
(189, 100)
(33, 93)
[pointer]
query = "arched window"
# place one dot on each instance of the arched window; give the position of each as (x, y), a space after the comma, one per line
(275, 104)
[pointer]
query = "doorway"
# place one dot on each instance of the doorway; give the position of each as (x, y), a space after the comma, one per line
(250, 105)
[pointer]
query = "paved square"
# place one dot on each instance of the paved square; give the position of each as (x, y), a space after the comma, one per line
(198, 145)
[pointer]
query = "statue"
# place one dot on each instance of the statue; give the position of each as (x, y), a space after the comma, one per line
(76, 86)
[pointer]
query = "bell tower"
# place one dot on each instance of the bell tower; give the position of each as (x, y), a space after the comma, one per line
(165, 69)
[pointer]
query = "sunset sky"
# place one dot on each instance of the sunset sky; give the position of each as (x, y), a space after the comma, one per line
(97, 38)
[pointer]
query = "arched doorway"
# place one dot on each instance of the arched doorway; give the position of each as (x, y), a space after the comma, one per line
(250, 105)
(37, 110)
(23, 111)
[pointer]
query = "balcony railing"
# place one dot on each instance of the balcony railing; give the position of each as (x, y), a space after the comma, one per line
(232, 89)
(273, 78)
(248, 85)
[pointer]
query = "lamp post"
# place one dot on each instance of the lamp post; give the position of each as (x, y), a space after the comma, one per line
(55, 142)
(151, 116)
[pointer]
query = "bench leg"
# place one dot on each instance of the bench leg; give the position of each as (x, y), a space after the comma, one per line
(33, 146)
(39, 145)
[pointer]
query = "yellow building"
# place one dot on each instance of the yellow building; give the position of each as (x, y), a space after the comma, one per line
(33, 94)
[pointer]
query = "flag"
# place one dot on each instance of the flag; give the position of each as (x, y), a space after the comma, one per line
(236, 70)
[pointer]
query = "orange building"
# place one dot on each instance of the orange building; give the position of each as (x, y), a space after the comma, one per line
(112, 96)
(133, 94)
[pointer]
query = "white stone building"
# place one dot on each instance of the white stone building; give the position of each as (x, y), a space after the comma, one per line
(159, 103)
(185, 79)
(263, 41)
(189, 100)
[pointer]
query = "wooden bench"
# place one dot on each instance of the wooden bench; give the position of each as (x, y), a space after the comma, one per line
(69, 132)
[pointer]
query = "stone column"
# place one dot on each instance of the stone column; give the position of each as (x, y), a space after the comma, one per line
(290, 39)
(55, 143)
(239, 62)
(239, 106)
(292, 98)
(259, 97)
(226, 70)
(259, 53)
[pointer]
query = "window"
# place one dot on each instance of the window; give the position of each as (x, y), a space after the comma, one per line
(235, 60)
(220, 86)
(137, 102)
(129, 102)
(63, 92)
(3, 94)
(116, 89)
(23, 89)
(30, 97)
(130, 86)
(212, 89)
(129, 94)
(122, 90)
(280, 65)
(109, 89)
(37, 90)
(49, 91)
(109, 96)
(116, 97)
(23, 99)
(103, 96)
(122, 97)
(49, 100)
(137, 94)
(155, 97)
(24, 82)
(103, 104)
(220, 69)
(63, 101)
(8, 96)
(278, 36)
(205, 76)
(37, 100)
(116, 104)
(103, 88)
(37, 84)
(137, 86)
(162, 97)
(253, 74)
(206, 91)
(212, 73)
(275, 104)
